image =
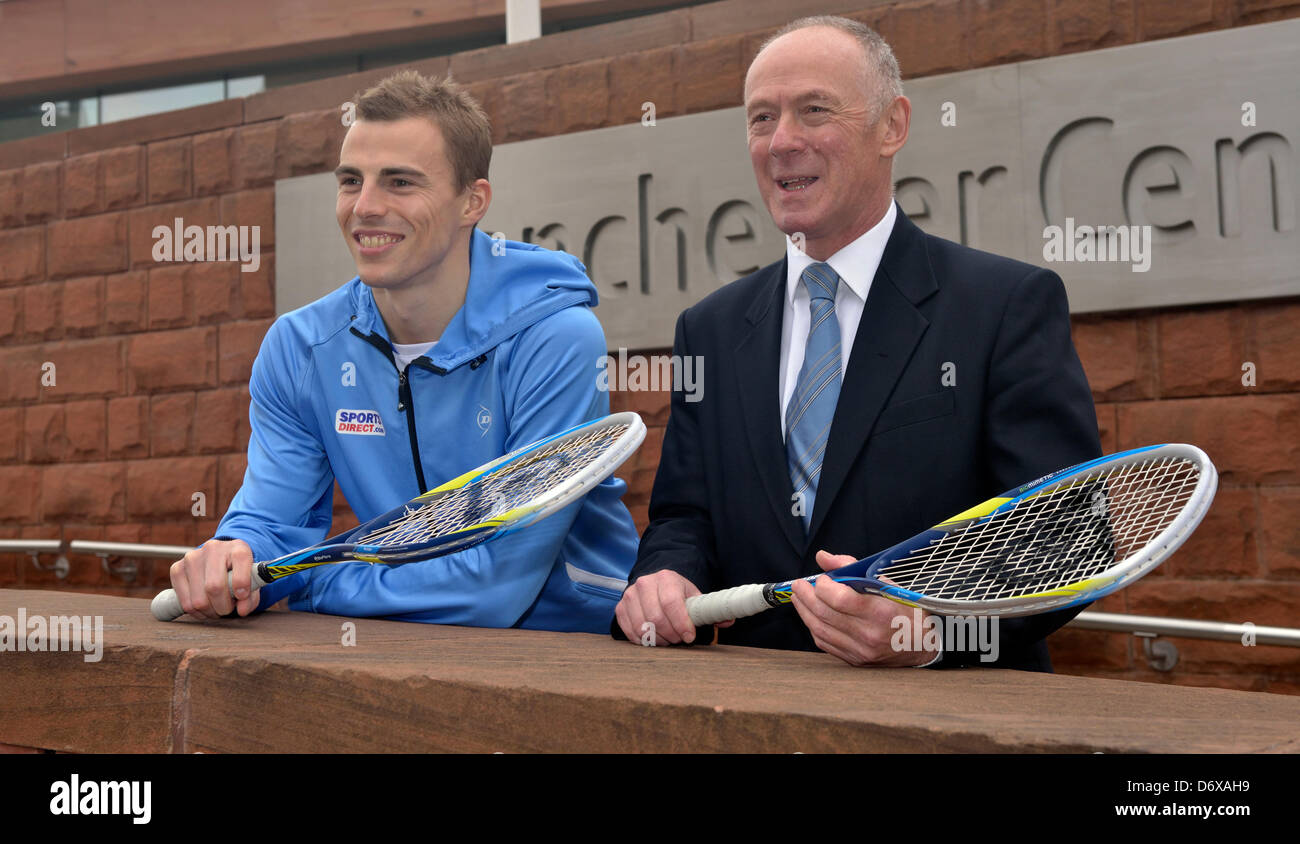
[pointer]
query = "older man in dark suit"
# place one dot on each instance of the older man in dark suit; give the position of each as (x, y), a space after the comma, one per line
(874, 382)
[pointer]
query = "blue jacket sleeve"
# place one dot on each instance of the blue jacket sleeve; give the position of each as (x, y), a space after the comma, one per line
(549, 380)
(286, 499)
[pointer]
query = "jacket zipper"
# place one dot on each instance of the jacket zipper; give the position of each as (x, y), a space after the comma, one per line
(404, 400)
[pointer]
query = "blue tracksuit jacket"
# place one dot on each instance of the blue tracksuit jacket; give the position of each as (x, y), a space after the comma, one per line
(518, 362)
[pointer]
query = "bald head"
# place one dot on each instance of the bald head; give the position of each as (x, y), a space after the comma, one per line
(880, 75)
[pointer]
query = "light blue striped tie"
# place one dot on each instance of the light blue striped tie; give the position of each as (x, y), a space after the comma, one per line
(812, 406)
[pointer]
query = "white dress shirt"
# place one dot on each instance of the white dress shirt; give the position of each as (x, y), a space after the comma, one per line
(856, 266)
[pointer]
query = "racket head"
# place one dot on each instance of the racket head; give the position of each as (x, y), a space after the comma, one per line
(502, 496)
(1071, 537)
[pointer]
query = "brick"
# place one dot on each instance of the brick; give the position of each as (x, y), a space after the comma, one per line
(128, 427)
(83, 185)
(1006, 30)
(1251, 439)
(1074, 650)
(20, 373)
(1118, 356)
(930, 38)
(1089, 24)
(86, 368)
(230, 477)
(170, 301)
(523, 104)
(1261, 11)
(221, 421)
(170, 170)
(214, 160)
(308, 143)
(11, 198)
(24, 255)
(1279, 519)
(83, 306)
(83, 492)
(254, 163)
(11, 434)
(1163, 18)
(1106, 424)
(639, 78)
(238, 343)
(124, 174)
(41, 191)
(1202, 351)
(716, 77)
(45, 434)
(257, 289)
(252, 208)
(485, 94)
(126, 298)
(1271, 604)
(41, 304)
(88, 245)
(214, 289)
(172, 360)
(49, 147)
(23, 505)
(1225, 544)
(1276, 352)
(195, 212)
(85, 425)
(10, 313)
(165, 488)
(577, 96)
(171, 419)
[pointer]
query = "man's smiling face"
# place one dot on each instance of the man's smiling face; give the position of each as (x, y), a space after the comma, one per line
(399, 206)
(821, 160)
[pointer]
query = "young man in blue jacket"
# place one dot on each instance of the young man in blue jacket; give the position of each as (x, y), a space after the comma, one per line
(449, 349)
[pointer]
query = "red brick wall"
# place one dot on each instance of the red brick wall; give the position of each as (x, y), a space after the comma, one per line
(150, 401)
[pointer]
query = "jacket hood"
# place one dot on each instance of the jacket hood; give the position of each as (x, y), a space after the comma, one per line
(512, 285)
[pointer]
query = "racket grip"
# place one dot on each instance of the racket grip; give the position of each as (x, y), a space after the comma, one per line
(737, 602)
(166, 606)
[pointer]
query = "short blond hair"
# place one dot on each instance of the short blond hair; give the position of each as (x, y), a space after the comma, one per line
(465, 127)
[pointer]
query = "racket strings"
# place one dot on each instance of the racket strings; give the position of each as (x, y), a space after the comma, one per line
(1070, 532)
(514, 484)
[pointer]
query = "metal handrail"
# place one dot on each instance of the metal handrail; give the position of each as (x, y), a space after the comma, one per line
(1149, 625)
(1138, 625)
(127, 549)
(30, 546)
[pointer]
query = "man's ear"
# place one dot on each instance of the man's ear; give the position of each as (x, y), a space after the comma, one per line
(896, 121)
(478, 196)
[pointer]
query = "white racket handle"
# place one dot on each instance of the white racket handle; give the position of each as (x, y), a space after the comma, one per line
(167, 606)
(737, 602)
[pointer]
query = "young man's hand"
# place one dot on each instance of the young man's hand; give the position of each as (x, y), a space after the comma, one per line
(204, 577)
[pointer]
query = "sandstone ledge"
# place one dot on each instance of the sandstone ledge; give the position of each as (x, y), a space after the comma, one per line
(283, 682)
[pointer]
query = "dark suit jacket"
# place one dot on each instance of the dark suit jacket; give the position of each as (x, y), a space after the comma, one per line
(905, 451)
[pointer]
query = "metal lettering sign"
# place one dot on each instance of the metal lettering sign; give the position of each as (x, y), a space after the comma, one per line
(1155, 174)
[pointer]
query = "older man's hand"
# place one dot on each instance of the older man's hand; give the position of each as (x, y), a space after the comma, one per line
(856, 628)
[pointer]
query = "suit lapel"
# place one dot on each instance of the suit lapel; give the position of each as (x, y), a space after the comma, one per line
(758, 362)
(888, 333)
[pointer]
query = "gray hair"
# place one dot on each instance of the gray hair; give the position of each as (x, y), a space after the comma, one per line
(880, 57)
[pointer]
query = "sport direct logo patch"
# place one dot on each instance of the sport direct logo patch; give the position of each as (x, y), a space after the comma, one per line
(365, 422)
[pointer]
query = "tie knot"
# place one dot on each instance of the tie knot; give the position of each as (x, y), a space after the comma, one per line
(821, 281)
